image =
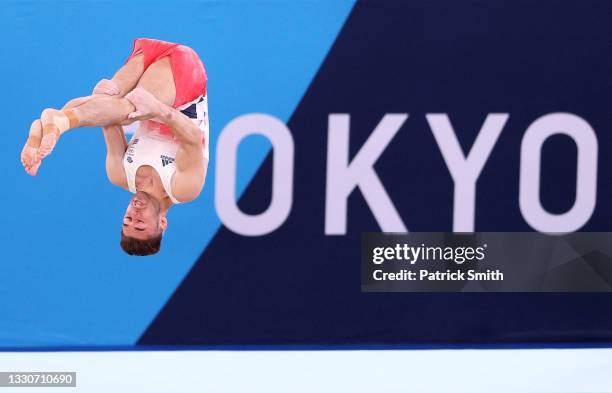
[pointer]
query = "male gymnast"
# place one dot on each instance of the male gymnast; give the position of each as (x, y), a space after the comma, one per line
(163, 86)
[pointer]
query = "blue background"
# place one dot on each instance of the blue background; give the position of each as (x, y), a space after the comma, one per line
(65, 282)
(298, 286)
(63, 278)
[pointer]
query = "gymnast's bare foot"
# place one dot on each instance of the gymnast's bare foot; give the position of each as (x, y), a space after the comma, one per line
(54, 122)
(28, 154)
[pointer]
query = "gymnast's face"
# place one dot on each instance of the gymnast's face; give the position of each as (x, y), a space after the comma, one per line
(143, 219)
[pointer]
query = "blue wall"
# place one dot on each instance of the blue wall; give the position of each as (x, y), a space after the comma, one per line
(65, 282)
(63, 278)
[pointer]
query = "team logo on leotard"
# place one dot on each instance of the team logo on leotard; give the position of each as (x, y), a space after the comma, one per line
(129, 159)
(166, 160)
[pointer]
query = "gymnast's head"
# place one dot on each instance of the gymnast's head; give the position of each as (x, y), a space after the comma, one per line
(144, 223)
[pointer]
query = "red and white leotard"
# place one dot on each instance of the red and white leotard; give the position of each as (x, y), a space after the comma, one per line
(153, 143)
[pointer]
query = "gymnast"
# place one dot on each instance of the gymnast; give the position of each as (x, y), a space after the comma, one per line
(162, 86)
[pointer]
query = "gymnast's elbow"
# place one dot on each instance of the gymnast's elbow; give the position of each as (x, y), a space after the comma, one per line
(115, 172)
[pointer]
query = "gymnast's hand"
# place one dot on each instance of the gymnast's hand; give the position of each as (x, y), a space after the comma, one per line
(107, 87)
(147, 106)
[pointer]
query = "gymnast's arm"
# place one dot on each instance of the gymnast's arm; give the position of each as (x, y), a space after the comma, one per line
(191, 165)
(124, 80)
(190, 162)
(116, 145)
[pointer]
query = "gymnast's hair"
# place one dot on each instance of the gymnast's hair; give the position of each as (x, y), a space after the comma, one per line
(139, 247)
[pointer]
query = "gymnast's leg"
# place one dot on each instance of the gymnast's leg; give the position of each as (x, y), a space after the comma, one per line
(28, 153)
(95, 110)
